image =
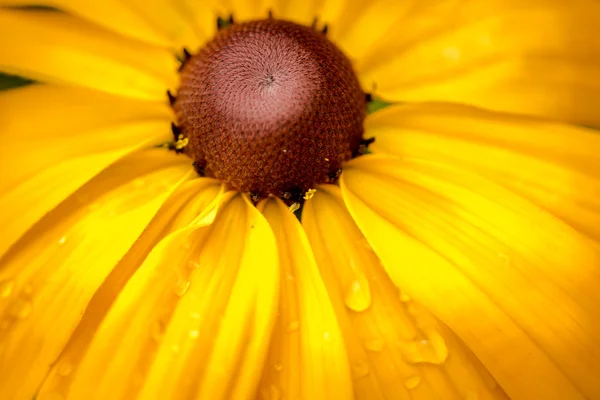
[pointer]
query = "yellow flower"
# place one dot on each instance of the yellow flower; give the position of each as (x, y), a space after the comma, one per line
(459, 260)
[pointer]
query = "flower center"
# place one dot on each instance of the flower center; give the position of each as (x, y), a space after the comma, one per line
(270, 107)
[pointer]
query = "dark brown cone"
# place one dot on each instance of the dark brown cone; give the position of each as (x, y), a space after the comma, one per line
(270, 106)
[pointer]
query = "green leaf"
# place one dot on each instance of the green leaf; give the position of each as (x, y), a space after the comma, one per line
(376, 105)
(12, 81)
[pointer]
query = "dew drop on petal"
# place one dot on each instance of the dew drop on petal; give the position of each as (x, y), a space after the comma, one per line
(415, 351)
(138, 183)
(20, 308)
(156, 331)
(195, 315)
(64, 369)
(181, 287)
(358, 296)
(360, 369)
(293, 326)
(412, 382)
(438, 344)
(6, 288)
(264, 394)
(275, 393)
(194, 334)
(278, 366)
(432, 350)
(375, 345)
(28, 289)
(505, 258)
(62, 240)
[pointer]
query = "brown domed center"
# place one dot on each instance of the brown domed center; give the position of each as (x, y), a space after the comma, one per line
(270, 107)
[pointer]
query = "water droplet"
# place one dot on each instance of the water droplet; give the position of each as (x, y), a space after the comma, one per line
(505, 258)
(157, 330)
(275, 392)
(375, 345)
(404, 298)
(28, 289)
(412, 382)
(293, 326)
(264, 394)
(452, 52)
(62, 240)
(20, 308)
(6, 288)
(433, 350)
(358, 296)
(64, 369)
(360, 369)
(194, 334)
(278, 366)
(181, 287)
(438, 345)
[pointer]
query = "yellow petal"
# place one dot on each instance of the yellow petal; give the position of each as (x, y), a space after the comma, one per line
(190, 199)
(244, 10)
(307, 359)
(557, 167)
(57, 47)
(357, 25)
(112, 14)
(195, 319)
(203, 16)
(33, 197)
(396, 348)
(539, 59)
(43, 125)
(51, 274)
(302, 12)
(75, 134)
(176, 19)
(514, 282)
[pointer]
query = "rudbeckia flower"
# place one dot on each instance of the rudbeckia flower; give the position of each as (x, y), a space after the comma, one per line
(196, 204)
